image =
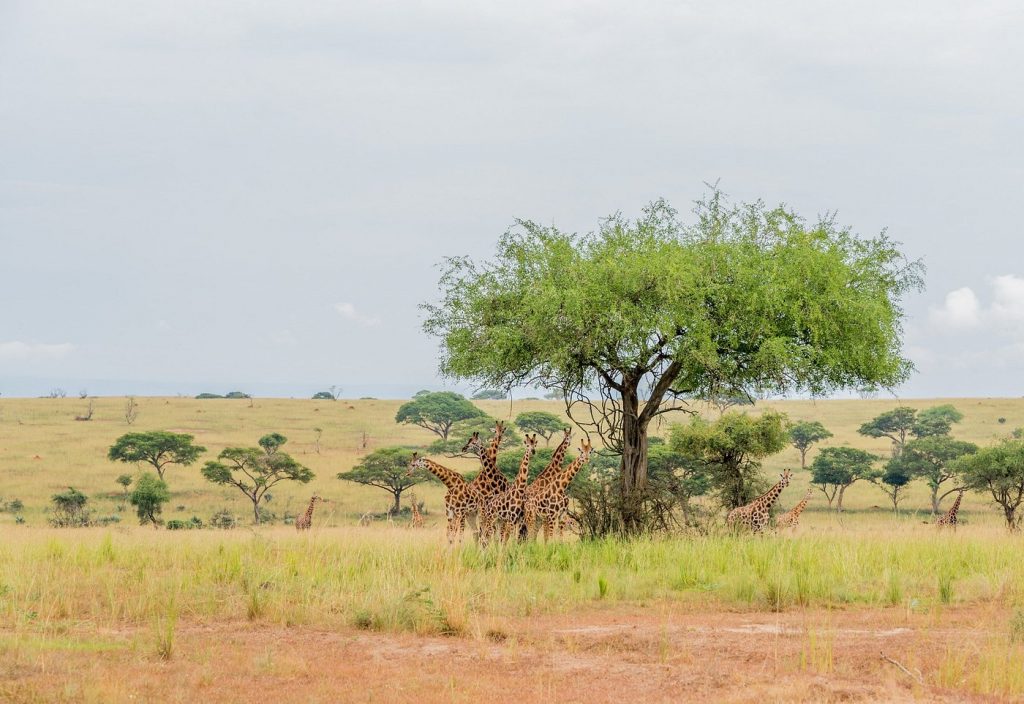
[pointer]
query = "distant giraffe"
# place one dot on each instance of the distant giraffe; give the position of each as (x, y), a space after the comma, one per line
(417, 517)
(949, 518)
(755, 515)
(305, 521)
(791, 518)
(506, 508)
(547, 502)
(461, 503)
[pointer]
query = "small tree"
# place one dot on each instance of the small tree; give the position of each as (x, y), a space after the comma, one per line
(388, 469)
(158, 448)
(489, 394)
(894, 483)
(895, 425)
(803, 434)
(69, 509)
(541, 423)
(437, 411)
(324, 396)
(253, 471)
(730, 449)
(131, 410)
(998, 470)
(933, 459)
(937, 420)
(835, 469)
(125, 480)
(148, 498)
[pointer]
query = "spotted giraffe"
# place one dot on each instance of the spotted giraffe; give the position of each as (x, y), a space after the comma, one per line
(461, 503)
(791, 518)
(506, 508)
(557, 457)
(755, 515)
(417, 517)
(949, 517)
(305, 521)
(548, 502)
(490, 481)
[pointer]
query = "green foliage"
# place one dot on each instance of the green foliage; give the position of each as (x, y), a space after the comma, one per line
(437, 411)
(932, 458)
(462, 430)
(148, 497)
(541, 423)
(206, 395)
(223, 519)
(253, 471)
(323, 396)
(69, 509)
(489, 394)
(999, 471)
(509, 460)
(236, 394)
(158, 448)
(803, 434)
(125, 480)
(895, 425)
(894, 482)
(837, 468)
(193, 523)
(937, 420)
(12, 506)
(388, 469)
(730, 449)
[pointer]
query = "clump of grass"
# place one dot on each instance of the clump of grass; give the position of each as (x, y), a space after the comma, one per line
(945, 587)
(163, 632)
(1017, 627)
(894, 589)
(602, 587)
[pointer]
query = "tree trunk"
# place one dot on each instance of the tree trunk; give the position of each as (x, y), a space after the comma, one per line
(1011, 520)
(803, 459)
(935, 500)
(634, 461)
(398, 502)
(839, 503)
(256, 510)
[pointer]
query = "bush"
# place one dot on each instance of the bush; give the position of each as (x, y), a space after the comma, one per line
(69, 509)
(323, 396)
(193, 523)
(236, 394)
(107, 520)
(13, 506)
(1002, 420)
(223, 519)
(207, 395)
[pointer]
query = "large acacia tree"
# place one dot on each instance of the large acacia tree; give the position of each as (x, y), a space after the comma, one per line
(643, 316)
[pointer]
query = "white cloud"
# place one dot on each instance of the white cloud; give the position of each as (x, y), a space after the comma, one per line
(349, 312)
(1008, 299)
(961, 309)
(32, 351)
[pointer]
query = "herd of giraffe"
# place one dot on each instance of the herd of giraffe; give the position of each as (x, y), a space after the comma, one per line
(491, 503)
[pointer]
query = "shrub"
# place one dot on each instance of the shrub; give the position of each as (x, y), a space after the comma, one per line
(223, 519)
(208, 395)
(69, 509)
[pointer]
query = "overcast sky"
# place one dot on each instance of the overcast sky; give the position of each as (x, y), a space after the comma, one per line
(197, 195)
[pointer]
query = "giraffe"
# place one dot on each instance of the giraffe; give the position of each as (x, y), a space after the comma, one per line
(557, 457)
(548, 502)
(461, 503)
(949, 518)
(417, 517)
(507, 507)
(490, 481)
(305, 521)
(791, 518)
(755, 515)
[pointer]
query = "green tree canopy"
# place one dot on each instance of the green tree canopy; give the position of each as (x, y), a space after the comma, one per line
(835, 469)
(508, 461)
(462, 430)
(730, 449)
(388, 469)
(437, 411)
(805, 433)
(324, 396)
(148, 497)
(125, 480)
(158, 448)
(894, 482)
(932, 458)
(69, 509)
(745, 299)
(937, 420)
(254, 470)
(895, 425)
(540, 422)
(998, 470)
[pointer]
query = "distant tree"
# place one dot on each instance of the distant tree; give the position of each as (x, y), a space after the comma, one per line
(835, 469)
(489, 394)
(335, 391)
(730, 449)
(934, 421)
(208, 395)
(125, 480)
(324, 396)
(148, 497)
(58, 393)
(461, 431)
(236, 394)
(803, 434)
(388, 469)
(998, 470)
(895, 425)
(544, 424)
(158, 448)
(253, 471)
(83, 394)
(131, 410)
(88, 411)
(932, 458)
(69, 509)
(894, 483)
(555, 394)
(437, 411)
(317, 434)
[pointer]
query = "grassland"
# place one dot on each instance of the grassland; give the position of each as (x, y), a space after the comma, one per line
(127, 613)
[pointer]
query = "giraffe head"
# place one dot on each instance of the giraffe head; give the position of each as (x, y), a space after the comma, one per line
(473, 445)
(415, 463)
(585, 449)
(530, 441)
(317, 499)
(784, 478)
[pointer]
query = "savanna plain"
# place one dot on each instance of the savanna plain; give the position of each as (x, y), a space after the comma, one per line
(866, 605)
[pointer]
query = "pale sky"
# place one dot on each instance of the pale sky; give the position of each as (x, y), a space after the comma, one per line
(201, 196)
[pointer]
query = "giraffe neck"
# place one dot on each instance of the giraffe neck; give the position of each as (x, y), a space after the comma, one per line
(956, 505)
(800, 507)
(556, 461)
(566, 477)
(524, 468)
(309, 511)
(490, 457)
(768, 498)
(449, 477)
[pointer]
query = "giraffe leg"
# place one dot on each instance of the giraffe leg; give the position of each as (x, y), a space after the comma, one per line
(548, 529)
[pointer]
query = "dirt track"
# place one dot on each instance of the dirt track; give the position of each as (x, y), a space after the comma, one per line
(652, 654)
